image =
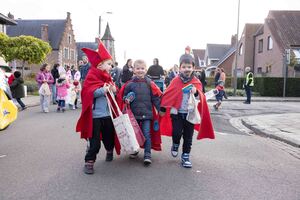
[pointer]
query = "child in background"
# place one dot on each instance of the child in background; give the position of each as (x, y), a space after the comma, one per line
(17, 88)
(76, 88)
(142, 94)
(62, 86)
(220, 95)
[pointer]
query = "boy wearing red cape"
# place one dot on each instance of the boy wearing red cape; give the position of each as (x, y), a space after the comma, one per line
(95, 123)
(143, 96)
(174, 111)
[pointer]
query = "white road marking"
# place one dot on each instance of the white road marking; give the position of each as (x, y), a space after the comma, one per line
(2, 156)
(221, 133)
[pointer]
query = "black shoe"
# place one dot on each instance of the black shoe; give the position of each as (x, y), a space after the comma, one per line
(89, 167)
(109, 156)
(54, 103)
(58, 110)
(24, 108)
(147, 161)
(246, 102)
(63, 110)
(174, 150)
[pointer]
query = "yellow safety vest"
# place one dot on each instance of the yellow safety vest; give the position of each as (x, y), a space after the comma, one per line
(250, 78)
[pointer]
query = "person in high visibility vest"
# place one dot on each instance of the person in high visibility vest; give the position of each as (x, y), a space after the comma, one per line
(248, 84)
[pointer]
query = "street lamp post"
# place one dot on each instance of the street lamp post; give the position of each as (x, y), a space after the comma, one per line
(100, 22)
(236, 53)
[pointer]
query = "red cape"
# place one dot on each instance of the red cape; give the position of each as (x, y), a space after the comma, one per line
(172, 97)
(155, 135)
(95, 79)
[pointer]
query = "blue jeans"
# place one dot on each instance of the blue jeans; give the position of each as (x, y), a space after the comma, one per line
(145, 126)
(53, 93)
(61, 103)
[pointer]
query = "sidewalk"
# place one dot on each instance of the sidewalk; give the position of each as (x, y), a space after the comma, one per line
(283, 127)
(262, 99)
(31, 101)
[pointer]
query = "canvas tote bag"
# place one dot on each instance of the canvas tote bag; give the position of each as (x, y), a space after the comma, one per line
(123, 126)
(193, 115)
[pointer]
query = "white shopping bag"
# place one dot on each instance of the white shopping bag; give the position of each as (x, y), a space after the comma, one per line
(193, 115)
(45, 90)
(123, 127)
(211, 94)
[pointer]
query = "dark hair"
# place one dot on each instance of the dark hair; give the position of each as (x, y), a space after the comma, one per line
(55, 66)
(44, 66)
(128, 61)
(116, 63)
(17, 74)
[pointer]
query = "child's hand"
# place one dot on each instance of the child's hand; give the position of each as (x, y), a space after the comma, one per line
(105, 88)
(193, 90)
(112, 88)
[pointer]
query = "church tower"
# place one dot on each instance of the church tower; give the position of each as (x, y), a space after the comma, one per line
(108, 41)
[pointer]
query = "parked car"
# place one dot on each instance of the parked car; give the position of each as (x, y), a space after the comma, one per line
(209, 71)
(8, 110)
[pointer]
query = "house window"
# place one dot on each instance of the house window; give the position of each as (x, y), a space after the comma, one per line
(241, 49)
(260, 46)
(2, 28)
(72, 55)
(270, 43)
(69, 39)
(259, 70)
(66, 53)
(268, 68)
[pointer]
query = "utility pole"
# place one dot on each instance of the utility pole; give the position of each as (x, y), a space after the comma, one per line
(236, 52)
(286, 62)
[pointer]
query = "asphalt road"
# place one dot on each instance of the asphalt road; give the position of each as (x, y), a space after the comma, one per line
(41, 157)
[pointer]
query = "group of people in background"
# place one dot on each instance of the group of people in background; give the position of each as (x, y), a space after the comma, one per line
(61, 85)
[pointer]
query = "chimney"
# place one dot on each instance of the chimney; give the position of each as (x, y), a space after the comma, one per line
(233, 40)
(11, 16)
(44, 32)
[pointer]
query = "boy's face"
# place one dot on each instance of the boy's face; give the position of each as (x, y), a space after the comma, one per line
(186, 69)
(105, 66)
(139, 70)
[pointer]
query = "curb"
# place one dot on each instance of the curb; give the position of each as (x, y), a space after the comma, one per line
(260, 100)
(265, 133)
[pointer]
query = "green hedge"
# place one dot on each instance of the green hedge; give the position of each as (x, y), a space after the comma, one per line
(32, 86)
(266, 86)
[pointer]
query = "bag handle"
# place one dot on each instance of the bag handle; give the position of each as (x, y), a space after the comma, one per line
(116, 112)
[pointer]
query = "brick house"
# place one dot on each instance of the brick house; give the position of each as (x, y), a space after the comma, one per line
(199, 58)
(227, 61)
(59, 33)
(245, 57)
(279, 32)
(5, 21)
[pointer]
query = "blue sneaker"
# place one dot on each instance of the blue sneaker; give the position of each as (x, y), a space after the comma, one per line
(174, 150)
(185, 160)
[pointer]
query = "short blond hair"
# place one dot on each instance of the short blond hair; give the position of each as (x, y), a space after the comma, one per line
(139, 62)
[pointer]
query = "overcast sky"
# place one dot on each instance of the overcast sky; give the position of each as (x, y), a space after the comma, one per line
(147, 29)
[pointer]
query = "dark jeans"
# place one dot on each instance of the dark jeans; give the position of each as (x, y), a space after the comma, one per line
(181, 127)
(106, 128)
(248, 93)
(61, 103)
(145, 126)
(20, 102)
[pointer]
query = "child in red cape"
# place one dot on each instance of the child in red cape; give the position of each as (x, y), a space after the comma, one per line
(95, 122)
(144, 97)
(174, 111)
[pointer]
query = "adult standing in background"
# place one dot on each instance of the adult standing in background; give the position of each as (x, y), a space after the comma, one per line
(55, 74)
(116, 74)
(84, 69)
(155, 71)
(248, 84)
(127, 72)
